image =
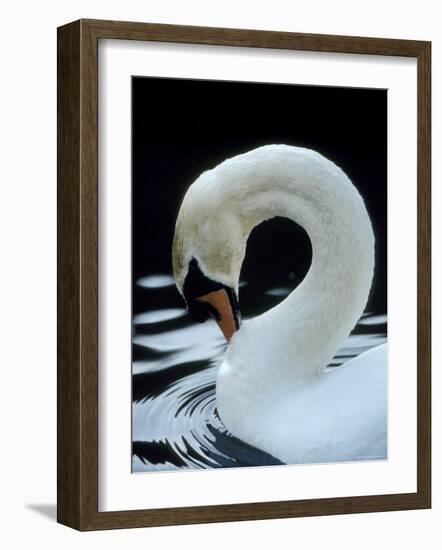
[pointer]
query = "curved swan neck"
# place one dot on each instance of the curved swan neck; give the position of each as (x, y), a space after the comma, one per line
(303, 332)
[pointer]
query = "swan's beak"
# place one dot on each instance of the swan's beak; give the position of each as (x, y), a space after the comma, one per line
(221, 310)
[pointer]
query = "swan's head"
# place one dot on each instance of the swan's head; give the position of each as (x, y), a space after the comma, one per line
(208, 250)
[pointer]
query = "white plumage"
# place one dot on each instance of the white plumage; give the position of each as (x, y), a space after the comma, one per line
(273, 388)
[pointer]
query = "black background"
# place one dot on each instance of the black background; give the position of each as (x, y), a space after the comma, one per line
(184, 127)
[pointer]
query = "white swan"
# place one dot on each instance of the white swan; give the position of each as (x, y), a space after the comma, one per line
(273, 389)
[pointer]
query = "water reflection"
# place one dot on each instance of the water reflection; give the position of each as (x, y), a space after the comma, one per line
(175, 361)
(156, 281)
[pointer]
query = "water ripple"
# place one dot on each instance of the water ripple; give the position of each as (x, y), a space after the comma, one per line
(156, 281)
(175, 362)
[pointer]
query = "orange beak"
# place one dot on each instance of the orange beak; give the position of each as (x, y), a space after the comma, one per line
(219, 301)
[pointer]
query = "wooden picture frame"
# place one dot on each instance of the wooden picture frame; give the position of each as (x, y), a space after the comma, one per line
(78, 274)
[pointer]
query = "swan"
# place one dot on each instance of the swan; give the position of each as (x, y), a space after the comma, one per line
(273, 388)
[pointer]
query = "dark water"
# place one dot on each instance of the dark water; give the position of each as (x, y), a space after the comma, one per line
(175, 361)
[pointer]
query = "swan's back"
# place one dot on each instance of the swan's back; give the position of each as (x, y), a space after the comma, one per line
(337, 416)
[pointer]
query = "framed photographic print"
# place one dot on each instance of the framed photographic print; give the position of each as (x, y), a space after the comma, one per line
(241, 215)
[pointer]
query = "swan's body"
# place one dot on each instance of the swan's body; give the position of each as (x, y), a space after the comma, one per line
(273, 389)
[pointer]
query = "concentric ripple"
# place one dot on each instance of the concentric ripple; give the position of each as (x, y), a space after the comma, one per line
(175, 424)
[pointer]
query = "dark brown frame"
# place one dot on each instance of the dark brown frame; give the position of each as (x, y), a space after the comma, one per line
(78, 269)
